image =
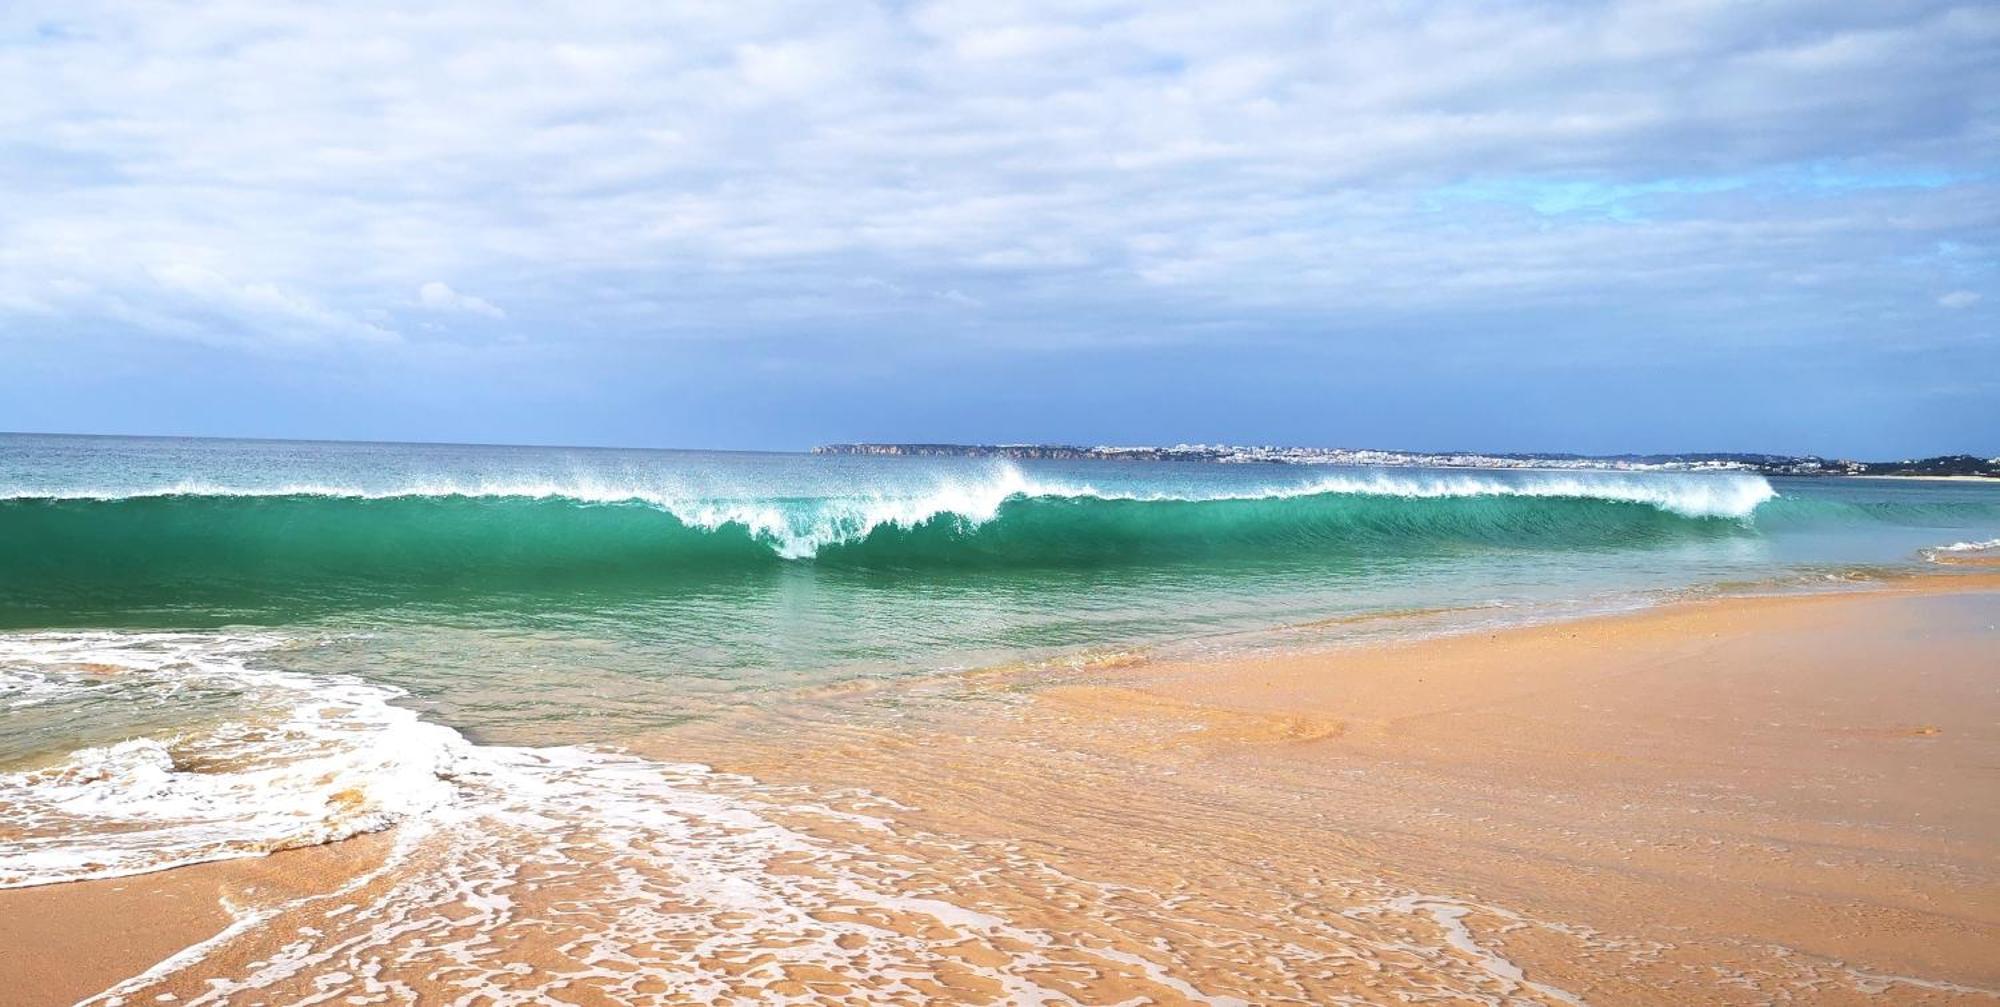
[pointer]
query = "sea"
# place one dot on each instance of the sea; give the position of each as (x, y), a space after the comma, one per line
(213, 649)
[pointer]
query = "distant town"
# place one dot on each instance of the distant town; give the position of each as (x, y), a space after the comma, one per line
(1789, 465)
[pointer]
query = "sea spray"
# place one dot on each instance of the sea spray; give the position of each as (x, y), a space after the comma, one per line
(334, 547)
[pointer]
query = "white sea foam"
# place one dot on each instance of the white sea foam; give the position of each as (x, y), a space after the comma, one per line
(529, 875)
(1991, 543)
(532, 875)
(297, 761)
(1698, 496)
(1450, 914)
(798, 526)
(664, 869)
(1950, 553)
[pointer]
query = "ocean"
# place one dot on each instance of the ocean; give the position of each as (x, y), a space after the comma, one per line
(215, 648)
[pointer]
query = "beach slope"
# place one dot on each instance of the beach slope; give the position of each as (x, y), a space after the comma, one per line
(1730, 801)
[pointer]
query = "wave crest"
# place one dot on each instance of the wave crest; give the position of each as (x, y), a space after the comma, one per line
(800, 527)
(263, 554)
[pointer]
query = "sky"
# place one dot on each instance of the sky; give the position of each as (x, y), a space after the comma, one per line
(1574, 226)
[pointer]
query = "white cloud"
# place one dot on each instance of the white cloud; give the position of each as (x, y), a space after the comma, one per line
(437, 296)
(641, 168)
(260, 307)
(1959, 299)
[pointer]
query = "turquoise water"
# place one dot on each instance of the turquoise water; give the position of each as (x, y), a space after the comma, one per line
(210, 648)
(684, 576)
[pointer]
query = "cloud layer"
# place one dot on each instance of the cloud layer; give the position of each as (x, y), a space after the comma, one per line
(1695, 176)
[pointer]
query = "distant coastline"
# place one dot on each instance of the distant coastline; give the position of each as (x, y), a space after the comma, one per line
(1936, 467)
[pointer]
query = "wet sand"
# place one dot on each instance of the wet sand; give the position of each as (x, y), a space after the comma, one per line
(66, 942)
(1983, 558)
(1731, 801)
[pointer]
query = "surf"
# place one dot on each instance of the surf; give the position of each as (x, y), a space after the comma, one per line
(192, 545)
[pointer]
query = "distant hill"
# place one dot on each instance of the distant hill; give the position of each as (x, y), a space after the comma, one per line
(1768, 464)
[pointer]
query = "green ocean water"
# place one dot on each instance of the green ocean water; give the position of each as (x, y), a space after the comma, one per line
(331, 619)
(693, 574)
(199, 556)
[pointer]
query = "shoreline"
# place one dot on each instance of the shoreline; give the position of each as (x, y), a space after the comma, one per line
(51, 961)
(1523, 771)
(1127, 746)
(1942, 574)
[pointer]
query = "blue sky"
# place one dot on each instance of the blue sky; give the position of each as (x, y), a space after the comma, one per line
(1567, 226)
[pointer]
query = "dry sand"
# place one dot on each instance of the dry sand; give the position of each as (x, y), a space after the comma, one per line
(1733, 801)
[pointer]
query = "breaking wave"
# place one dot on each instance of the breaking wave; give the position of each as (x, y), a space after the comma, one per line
(186, 546)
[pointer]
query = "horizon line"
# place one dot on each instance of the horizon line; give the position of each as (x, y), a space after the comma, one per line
(961, 444)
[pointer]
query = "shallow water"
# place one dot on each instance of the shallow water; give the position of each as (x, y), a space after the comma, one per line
(217, 649)
(191, 622)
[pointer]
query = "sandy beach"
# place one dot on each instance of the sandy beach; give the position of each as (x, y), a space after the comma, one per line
(1140, 504)
(1729, 801)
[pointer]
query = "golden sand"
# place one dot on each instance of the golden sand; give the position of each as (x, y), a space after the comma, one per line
(1984, 558)
(65, 942)
(1726, 802)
